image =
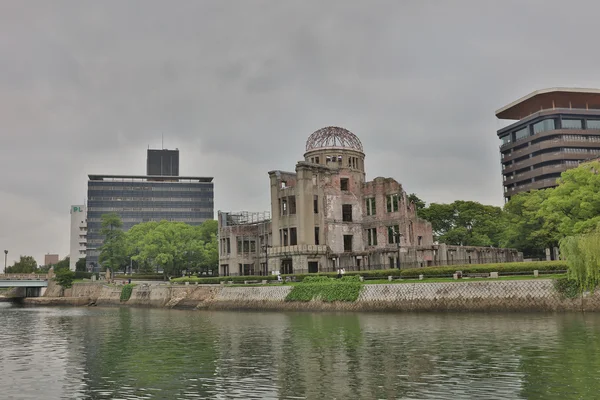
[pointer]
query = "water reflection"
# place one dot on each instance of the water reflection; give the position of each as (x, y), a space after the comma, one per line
(95, 353)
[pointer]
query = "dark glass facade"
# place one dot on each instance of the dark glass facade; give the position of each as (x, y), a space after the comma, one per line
(536, 150)
(162, 162)
(138, 199)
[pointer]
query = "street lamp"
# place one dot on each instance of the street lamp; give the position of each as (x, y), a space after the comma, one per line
(266, 247)
(397, 236)
(5, 257)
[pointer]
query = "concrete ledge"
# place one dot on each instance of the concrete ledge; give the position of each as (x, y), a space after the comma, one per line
(462, 295)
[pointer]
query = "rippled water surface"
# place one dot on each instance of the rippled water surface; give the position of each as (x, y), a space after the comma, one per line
(123, 353)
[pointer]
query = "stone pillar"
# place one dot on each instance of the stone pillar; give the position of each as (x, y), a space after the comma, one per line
(548, 256)
(556, 253)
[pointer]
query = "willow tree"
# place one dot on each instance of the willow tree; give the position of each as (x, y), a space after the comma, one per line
(582, 253)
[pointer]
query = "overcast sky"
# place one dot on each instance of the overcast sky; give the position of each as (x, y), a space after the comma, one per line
(238, 86)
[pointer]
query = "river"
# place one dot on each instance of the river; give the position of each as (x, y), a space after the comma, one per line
(127, 353)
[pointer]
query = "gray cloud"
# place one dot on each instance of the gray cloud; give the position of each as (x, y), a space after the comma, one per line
(238, 86)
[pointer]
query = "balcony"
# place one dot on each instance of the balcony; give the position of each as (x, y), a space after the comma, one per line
(554, 132)
(549, 169)
(558, 155)
(551, 143)
(298, 249)
(541, 184)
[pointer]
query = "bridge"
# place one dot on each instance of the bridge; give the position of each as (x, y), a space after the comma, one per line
(28, 285)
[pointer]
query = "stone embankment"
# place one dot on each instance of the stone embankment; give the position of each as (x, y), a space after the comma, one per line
(518, 295)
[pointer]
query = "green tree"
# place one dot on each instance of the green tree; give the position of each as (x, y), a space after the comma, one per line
(173, 247)
(582, 253)
(465, 222)
(63, 264)
(113, 252)
(64, 277)
(573, 207)
(134, 242)
(81, 265)
(419, 204)
(527, 228)
(25, 265)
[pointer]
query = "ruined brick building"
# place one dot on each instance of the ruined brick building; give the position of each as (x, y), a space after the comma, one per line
(326, 215)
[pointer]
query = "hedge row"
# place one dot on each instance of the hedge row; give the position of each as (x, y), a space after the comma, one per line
(502, 268)
(142, 277)
(219, 279)
(83, 275)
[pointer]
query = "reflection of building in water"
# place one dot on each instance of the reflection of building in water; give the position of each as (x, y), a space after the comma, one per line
(326, 215)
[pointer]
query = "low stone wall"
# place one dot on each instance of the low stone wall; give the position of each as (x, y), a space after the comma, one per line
(150, 295)
(491, 295)
(56, 301)
(109, 296)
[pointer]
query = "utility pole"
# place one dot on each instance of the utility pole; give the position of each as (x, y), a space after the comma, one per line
(5, 257)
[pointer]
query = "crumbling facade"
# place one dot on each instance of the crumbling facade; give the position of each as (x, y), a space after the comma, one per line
(326, 216)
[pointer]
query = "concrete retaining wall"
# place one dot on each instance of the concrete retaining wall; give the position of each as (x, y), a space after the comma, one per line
(519, 295)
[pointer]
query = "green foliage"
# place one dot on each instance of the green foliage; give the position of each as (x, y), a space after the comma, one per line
(83, 275)
(419, 204)
(574, 205)
(465, 222)
(25, 265)
(63, 264)
(64, 277)
(568, 288)
(142, 277)
(174, 247)
(582, 253)
(326, 289)
(113, 253)
(126, 291)
(527, 227)
(81, 265)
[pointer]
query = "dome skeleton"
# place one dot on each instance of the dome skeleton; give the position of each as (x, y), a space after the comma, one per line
(333, 136)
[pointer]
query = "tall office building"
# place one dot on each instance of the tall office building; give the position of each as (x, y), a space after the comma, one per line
(162, 162)
(78, 235)
(143, 198)
(556, 129)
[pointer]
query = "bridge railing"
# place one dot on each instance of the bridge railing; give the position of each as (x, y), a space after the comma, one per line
(24, 277)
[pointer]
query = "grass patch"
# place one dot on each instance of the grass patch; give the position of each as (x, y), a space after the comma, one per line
(326, 289)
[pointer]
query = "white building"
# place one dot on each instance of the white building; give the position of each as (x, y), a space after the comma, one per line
(78, 234)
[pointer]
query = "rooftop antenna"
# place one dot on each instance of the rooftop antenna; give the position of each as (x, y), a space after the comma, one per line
(163, 141)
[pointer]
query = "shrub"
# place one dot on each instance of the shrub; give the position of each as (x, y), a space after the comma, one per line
(501, 268)
(83, 275)
(141, 277)
(326, 289)
(219, 279)
(64, 277)
(568, 288)
(126, 292)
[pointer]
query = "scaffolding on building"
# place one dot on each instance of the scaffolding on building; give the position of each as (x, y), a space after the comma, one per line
(243, 217)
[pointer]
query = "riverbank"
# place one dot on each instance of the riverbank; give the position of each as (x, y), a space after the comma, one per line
(489, 295)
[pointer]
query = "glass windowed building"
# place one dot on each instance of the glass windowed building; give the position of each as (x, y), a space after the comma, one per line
(142, 199)
(555, 130)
